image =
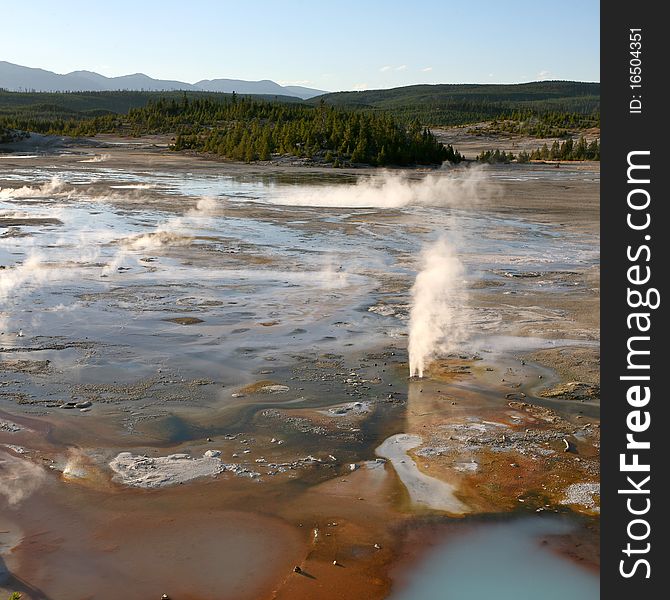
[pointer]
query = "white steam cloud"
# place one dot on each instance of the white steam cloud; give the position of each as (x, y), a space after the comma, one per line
(55, 186)
(38, 267)
(157, 239)
(171, 233)
(37, 270)
(438, 297)
(134, 186)
(32, 270)
(98, 158)
(77, 465)
(206, 207)
(389, 190)
(332, 275)
(19, 478)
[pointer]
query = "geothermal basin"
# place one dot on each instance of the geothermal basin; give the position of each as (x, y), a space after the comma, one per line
(204, 376)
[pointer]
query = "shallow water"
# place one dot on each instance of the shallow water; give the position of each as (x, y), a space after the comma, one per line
(267, 278)
(280, 250)
(506, 561)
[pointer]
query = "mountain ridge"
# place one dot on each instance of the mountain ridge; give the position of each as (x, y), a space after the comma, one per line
(15, 77)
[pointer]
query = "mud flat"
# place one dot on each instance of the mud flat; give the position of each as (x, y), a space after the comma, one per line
(202, 363)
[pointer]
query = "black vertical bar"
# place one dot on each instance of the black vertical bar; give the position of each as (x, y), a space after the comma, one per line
(633, 121)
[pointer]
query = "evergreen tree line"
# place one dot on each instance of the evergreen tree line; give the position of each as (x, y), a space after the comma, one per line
(10, 135)
(535, 121)
(568, 150)
(242, 128)
(73, 126)
(515, 113)
(551, 124)
(247, 129)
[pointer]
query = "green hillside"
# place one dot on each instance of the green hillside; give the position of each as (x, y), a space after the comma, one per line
(377, 127)
(77, 105)
(458, 104)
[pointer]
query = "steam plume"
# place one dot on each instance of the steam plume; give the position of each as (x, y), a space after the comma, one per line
(32, 271)
(437, 294)
(97, 158)
(54, 186)
(19, 478)
(170, 233)
(390, 190)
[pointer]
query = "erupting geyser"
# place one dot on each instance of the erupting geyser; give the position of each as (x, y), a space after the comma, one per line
(437, 294)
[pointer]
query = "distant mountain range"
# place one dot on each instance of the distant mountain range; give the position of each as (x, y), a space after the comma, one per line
(18, 78)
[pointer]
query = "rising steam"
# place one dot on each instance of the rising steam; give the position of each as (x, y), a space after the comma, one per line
(19, 478)
(389, 190)
(32, 270)
(54, 186)
(98, 158)
(170, 232)
(437, 295)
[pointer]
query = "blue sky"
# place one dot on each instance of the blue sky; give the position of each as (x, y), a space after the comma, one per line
(330, 45)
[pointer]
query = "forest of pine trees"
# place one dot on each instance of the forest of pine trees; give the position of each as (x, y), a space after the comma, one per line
(568, 150)
(10, 135)
(250, 129)
(542, 125)
(247, 129)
